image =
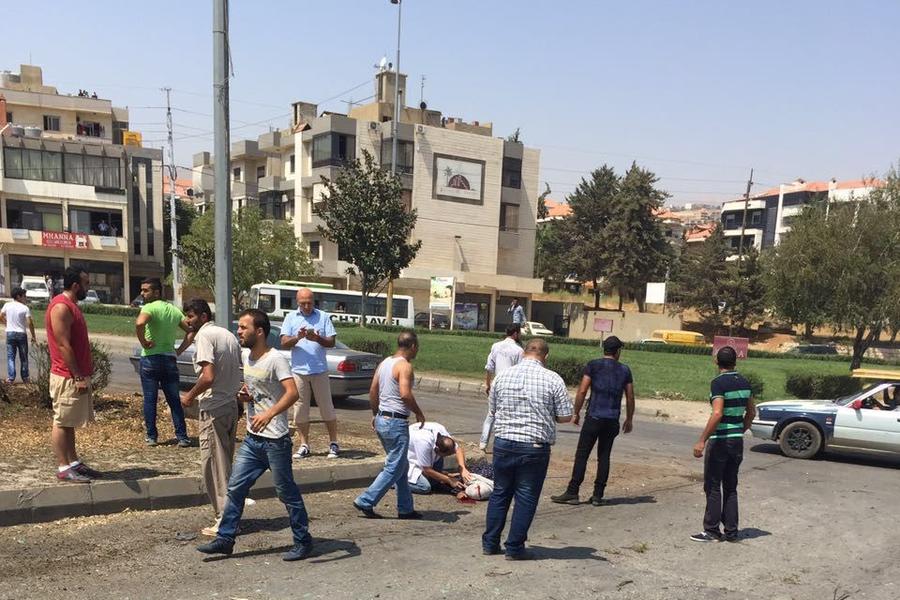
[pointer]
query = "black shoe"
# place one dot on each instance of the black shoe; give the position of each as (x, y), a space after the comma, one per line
(596, 501)
(298, 552)
(566, 498)
(731, 538)
(367, 513)
(217, 546)
(523, 555)
(491, 552)
(410, 516)
(705, 536)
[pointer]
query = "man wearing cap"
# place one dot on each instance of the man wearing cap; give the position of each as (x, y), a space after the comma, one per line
(608, 379)
(733, 411)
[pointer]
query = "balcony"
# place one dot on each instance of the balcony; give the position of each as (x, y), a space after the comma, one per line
(57, 240)
(244, 189)
(508, 240)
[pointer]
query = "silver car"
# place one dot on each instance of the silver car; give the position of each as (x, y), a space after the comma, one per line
(350, 372)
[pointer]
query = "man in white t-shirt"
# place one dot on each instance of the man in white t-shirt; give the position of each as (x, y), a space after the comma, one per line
(269, 390)
(429, 444)
(504, 354)
(17, 316)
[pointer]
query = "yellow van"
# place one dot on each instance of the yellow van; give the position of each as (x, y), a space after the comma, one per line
(673, 336)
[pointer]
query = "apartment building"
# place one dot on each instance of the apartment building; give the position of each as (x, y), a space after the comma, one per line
(71, 193)
(769, 213)
(475, 194)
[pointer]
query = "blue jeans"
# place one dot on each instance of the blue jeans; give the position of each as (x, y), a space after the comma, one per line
(160, 371)
(519, 472)
(254, 456)
(16, 342)
(423, 485)
(394, 436)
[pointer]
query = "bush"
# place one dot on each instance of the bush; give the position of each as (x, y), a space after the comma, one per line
(110, 309)
(99, 380)
(379, 347)
(570, 369)
(757, 386)
(808, 386)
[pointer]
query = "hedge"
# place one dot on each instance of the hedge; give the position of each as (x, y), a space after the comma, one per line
(92, 309)
(757, 385)
(665, 348)
(570, 369)
(824, 387)
(379, 347)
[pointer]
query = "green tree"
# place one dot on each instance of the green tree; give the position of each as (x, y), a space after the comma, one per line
(185, 214)
(632, 246)
(262, 250)
(582, 232)
(744, 290)
(698, 280)
(542, 212)
(364, 215)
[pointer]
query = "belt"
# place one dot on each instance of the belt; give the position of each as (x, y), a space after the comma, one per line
(392, 415)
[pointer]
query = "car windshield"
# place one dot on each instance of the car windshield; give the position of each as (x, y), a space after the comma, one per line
(35, 285)
(536, 325)
(845, 400)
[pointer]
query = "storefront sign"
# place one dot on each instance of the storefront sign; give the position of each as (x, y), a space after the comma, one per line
(466, 316)
(603, 325)
(64, 239)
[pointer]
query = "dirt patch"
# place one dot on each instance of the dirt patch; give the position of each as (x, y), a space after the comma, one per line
(114, 443)
(684, 412)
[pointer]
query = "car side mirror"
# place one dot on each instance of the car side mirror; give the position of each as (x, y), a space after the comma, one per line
(856, 404)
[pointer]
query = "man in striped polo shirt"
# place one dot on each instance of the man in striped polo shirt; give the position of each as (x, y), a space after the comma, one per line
(723, 439)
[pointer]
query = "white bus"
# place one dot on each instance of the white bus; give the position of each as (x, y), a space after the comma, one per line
(277, 300)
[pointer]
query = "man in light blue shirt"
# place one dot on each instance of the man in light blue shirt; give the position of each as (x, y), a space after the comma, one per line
(308, 333)
(518, 313)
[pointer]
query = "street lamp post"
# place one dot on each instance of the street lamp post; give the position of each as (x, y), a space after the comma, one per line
(395, 132)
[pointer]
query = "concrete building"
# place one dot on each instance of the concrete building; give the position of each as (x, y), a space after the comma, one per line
(72, 193)
(476, 195)
(769, 213)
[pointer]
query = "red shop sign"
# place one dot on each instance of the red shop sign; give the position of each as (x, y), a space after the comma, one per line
(64, 239)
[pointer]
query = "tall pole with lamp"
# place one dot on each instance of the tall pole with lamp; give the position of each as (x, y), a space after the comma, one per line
(395, 132)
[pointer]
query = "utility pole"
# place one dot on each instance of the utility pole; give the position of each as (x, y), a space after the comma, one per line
(222, 150)
(395, 133)
(740, 281)
(173, 223)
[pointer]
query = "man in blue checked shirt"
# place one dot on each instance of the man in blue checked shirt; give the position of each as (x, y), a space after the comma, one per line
(308, 332)
(526, 402)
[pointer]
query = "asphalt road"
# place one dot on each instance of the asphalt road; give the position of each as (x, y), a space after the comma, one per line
(820, 529)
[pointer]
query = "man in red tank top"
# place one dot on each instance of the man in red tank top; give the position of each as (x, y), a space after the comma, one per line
(71, 368)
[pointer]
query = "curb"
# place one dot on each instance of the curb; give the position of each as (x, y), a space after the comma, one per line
(449, 386)
(108, 497)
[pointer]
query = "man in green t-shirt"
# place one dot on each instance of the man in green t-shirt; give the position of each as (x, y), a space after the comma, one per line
(157, 327)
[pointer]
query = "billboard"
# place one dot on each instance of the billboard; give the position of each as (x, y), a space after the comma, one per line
(656, 293)
(132, 138)
(458, 179)
(441, 294)
(603, 325)
(740, 344)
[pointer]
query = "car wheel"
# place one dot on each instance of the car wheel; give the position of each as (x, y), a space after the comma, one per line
(800, 440)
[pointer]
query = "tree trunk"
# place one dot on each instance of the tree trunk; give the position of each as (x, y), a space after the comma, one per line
(621, 299)
(807, 331)
(861, 343)
(640, 303)
(364, 285)
(596, 294)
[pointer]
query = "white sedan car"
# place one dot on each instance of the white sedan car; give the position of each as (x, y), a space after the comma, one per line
(868, 420)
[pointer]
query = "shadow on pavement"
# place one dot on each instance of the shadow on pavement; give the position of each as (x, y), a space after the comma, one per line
(322, 548)
(439, 516)
(627, 500)
(565, 553)
(849, 457)
(135, 473)
(353, 403)
(750, 533)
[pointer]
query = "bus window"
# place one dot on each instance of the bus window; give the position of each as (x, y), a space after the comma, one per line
(401, 308)
(288, 300)
(265, 302)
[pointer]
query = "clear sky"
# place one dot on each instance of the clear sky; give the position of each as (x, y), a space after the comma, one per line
(698, 91)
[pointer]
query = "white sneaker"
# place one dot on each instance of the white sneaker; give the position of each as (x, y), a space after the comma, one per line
(334, 450)
(303, 452)
(482, 446)
(249, 502)
(212, 530)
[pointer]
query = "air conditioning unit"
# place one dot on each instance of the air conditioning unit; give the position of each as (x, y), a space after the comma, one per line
(420, 129)
(373, 126)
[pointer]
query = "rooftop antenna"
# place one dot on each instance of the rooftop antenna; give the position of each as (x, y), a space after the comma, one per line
(422, 91)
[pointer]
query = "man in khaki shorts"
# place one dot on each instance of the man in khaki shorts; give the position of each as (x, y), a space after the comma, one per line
(307, 332)
(217, 362)
(71, 368)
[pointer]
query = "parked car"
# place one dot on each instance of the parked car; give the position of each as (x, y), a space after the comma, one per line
(350, 372)
(813, 349)
(90, 298)
(536, 329)
(653, 342)
(868, 420)
(36, 289)
(438, 320)
(138, 301)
